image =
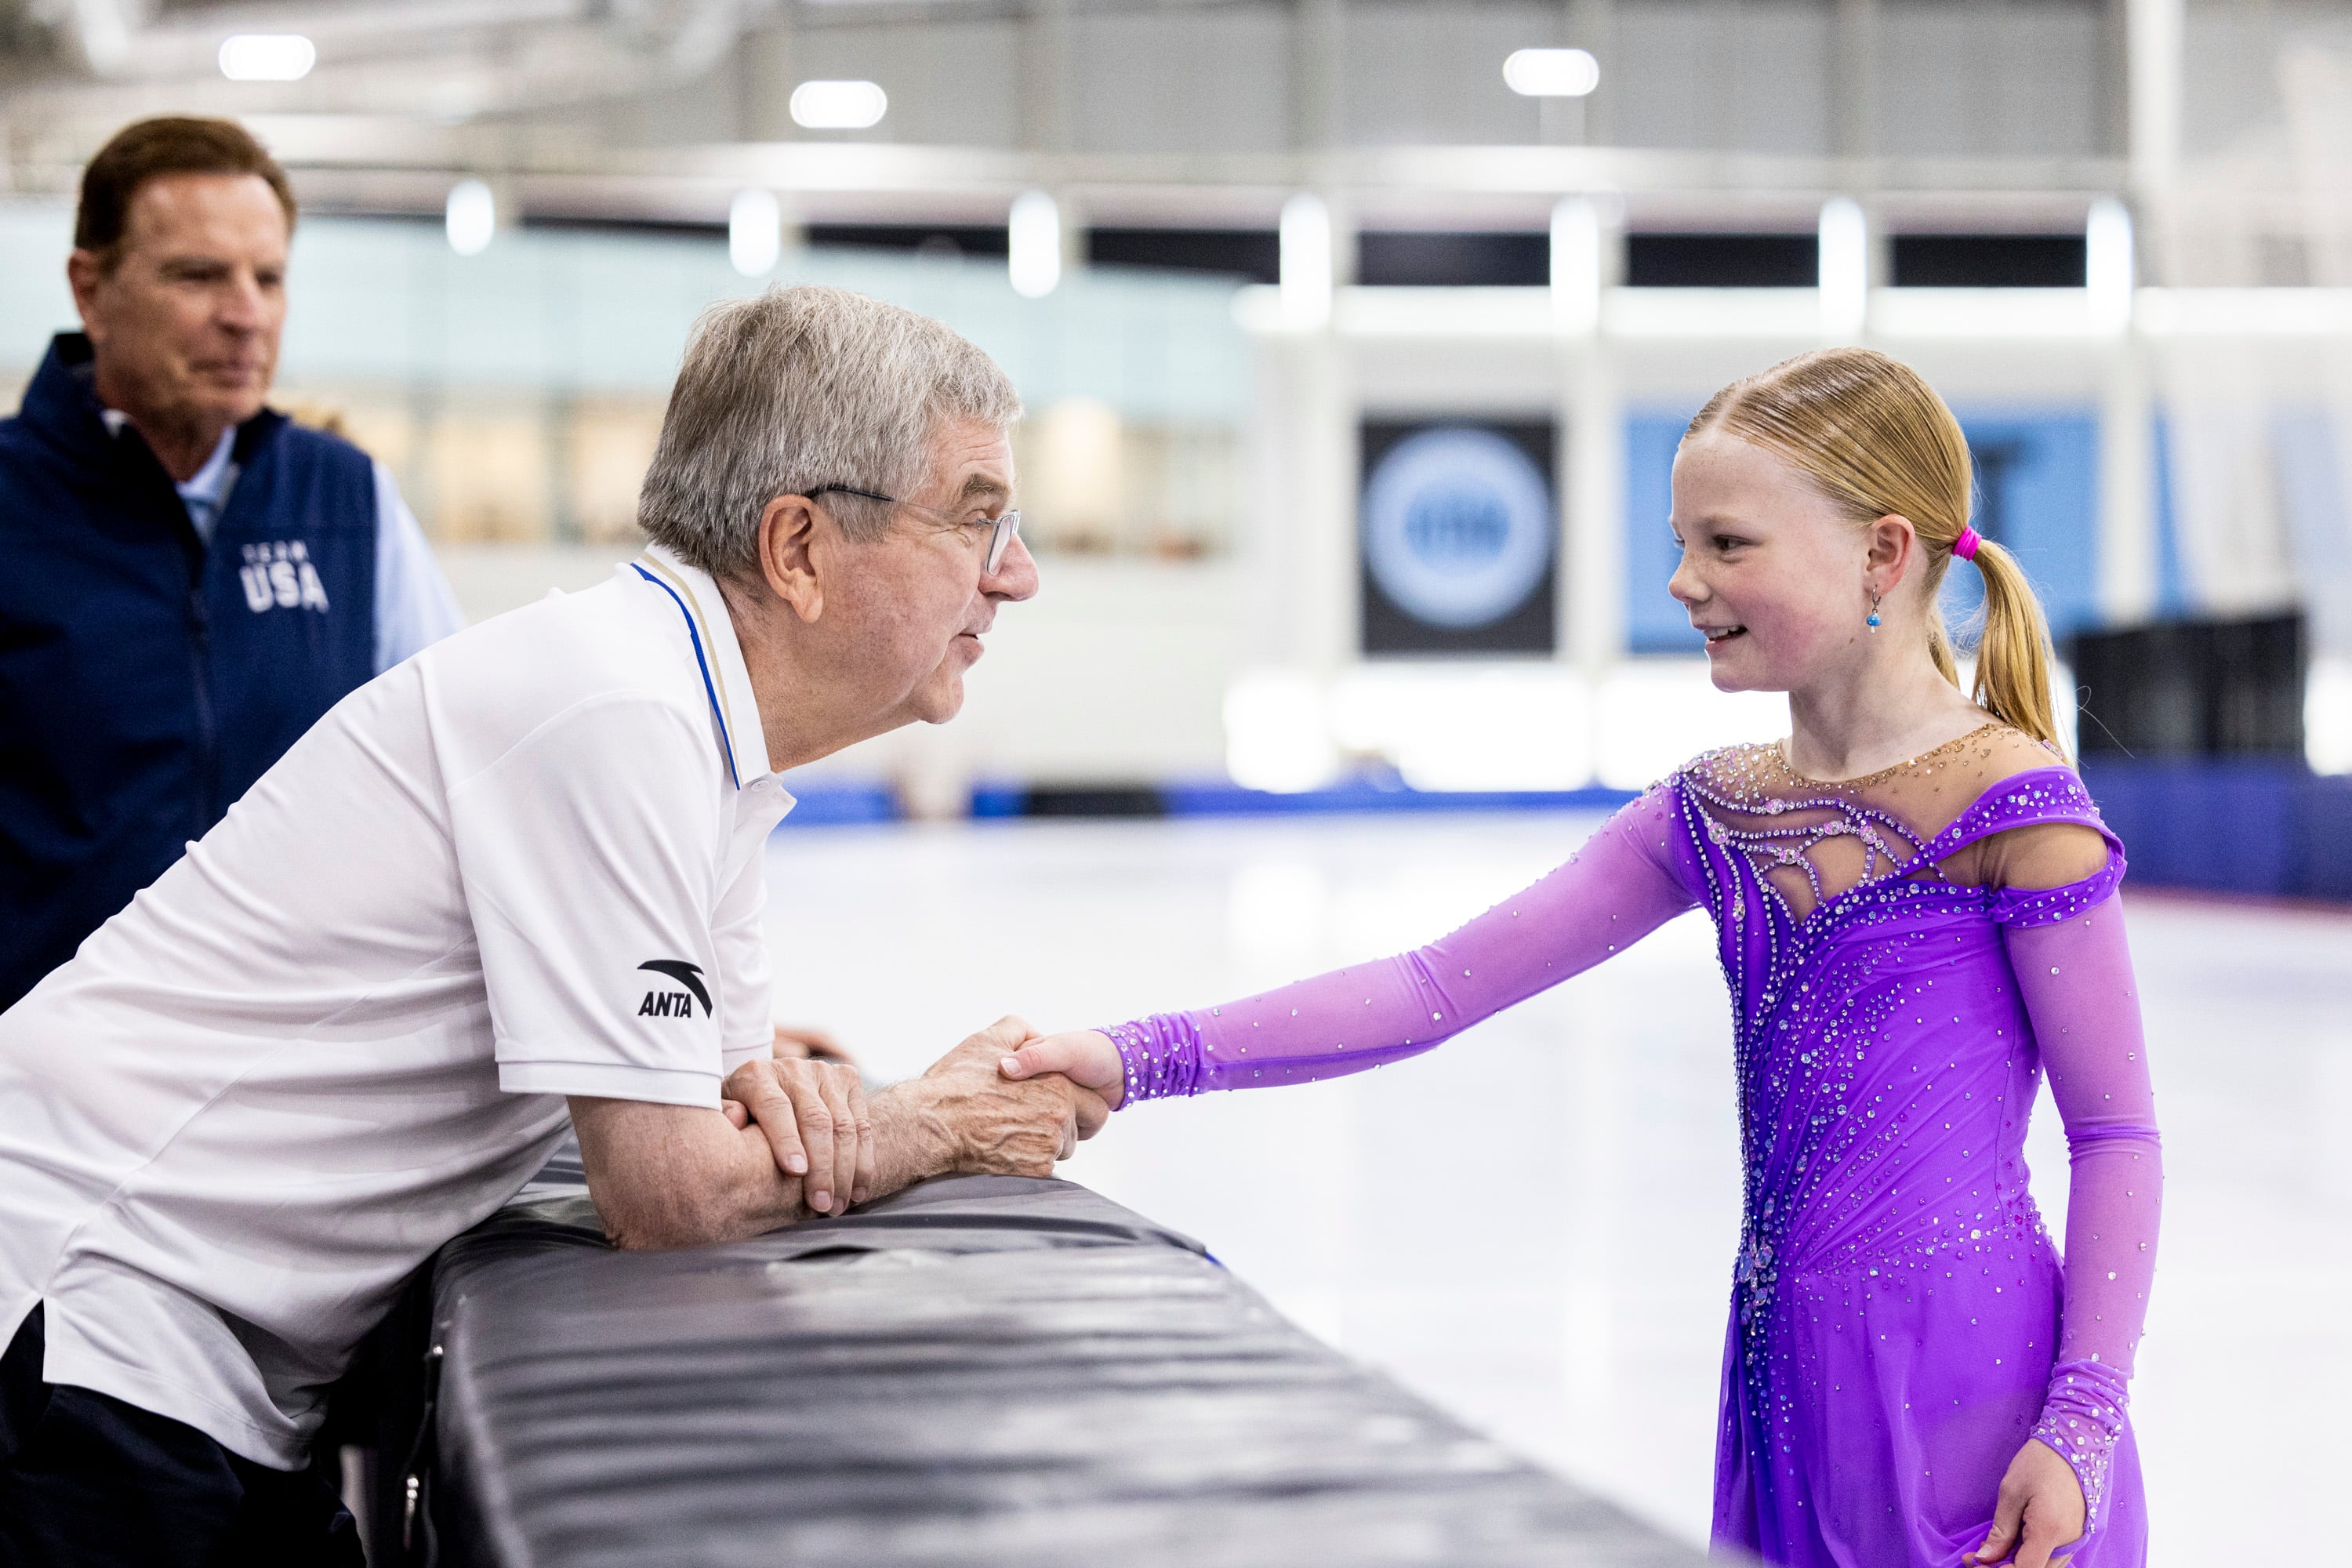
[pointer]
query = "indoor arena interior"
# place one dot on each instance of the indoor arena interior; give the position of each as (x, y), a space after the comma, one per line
(1707, 642)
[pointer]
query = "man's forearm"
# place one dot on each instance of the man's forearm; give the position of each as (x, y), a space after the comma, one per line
(694, 1180)
(666, 1175)
(912, 1141)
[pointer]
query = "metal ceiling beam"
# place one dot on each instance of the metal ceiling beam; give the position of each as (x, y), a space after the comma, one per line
(357, 142)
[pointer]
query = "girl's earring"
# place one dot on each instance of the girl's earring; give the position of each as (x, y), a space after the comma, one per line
(1873, 622)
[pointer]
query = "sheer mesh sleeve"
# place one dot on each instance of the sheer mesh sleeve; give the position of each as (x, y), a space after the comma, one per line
(2074, 974)
(1628, 880)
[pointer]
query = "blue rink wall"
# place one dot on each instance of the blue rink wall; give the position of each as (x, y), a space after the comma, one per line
(1216, 798)
(837, 803)
(2259, 828)
(2266, 828)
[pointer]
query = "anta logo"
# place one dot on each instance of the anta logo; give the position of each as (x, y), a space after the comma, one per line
(279, 576)
(675, 1004)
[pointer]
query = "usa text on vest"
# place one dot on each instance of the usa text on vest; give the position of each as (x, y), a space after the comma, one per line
(278, 575)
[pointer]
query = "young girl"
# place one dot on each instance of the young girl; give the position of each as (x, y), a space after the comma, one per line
(1914, 905)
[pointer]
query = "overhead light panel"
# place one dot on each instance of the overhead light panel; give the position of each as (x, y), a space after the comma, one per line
(1306, 262)
(1551, 73)
(755, 231)
(2107, 271)
(267, 57)
(1033, 245)
(1844, 267)
(471, 217)
(1576, 265)
(2327, 715)
(839, 105)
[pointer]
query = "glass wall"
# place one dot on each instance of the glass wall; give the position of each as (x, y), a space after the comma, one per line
(517, 394)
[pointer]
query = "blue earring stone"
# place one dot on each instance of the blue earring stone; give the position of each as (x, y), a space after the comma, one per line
(1873, 622)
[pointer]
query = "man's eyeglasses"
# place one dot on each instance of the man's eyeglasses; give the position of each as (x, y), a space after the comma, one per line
(1005, 524)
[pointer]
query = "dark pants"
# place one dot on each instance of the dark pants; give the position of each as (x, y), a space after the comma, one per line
(88, 1481)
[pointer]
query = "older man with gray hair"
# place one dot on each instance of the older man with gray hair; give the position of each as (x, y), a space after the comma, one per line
(510, 886)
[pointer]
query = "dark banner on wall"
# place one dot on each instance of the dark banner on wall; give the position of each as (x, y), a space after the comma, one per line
(1457, 532)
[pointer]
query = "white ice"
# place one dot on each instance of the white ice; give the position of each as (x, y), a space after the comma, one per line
(1534, 1224)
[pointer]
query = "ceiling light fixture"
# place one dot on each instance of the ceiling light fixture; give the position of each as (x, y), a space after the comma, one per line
(268, 57)
(1033, 245)
(1306, 262)
(755, 231)
(1551, 73)
(471, 217)
(1845, 263)
(2107, 271)
(839, 105)
(1576, 265)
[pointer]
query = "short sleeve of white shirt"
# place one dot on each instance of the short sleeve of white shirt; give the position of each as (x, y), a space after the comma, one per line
(596, 894)
(746, 1029)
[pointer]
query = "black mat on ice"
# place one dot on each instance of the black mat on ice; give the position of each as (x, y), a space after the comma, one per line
(979, 1371)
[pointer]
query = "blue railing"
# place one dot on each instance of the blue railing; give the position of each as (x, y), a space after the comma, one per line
(2228, 826)
(2270, 828)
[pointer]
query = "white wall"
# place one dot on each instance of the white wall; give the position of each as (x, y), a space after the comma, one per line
(1115, 672)
(1120, 669)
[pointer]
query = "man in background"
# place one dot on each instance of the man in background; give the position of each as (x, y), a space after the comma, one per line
(188, 579)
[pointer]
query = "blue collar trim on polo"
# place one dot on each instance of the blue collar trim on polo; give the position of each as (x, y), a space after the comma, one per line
(726, 741)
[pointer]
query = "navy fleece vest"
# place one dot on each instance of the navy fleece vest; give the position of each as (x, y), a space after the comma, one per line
(147, 680)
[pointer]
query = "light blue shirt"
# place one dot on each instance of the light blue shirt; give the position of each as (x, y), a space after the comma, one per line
(413, 604)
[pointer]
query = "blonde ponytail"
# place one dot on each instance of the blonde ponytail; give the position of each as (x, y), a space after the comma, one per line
(1872, 433)
(2013, 657)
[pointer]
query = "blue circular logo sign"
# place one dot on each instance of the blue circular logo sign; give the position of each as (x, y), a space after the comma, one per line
(1458, 526)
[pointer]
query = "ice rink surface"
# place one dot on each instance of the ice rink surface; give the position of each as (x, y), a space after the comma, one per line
(1534, 1224)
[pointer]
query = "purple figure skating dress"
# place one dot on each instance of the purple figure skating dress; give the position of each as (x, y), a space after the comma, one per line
(1902, 973)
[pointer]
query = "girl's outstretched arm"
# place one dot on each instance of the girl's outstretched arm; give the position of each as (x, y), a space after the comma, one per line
(1626, 881)
(2075, 975)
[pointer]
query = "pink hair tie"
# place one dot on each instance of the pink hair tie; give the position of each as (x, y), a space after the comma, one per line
(1964, 546)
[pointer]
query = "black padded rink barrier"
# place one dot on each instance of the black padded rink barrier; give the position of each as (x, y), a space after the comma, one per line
(979, 1371)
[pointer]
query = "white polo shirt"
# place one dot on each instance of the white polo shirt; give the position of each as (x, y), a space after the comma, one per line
(525, 864)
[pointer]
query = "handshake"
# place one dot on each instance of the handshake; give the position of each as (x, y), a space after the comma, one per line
(1007, 1101)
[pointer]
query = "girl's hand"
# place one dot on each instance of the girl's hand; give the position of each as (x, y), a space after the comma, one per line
(2040, 1507)
(1084, 1056)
